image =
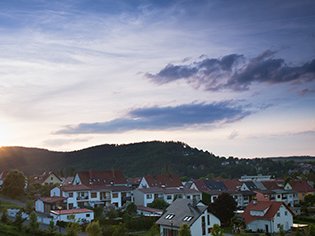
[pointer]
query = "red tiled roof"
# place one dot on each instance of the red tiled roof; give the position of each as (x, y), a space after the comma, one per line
(78, 187)
(274, 184)
(167, 180)
(52, 199)
(149, 209)
(232, 184)
(301, 186)
(102, 177)
(71, 211)
(271, 206)
(201, 186)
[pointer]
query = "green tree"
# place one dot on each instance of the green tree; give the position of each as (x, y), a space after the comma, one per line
(281, 231)
(51, 228)
(33, 225)
(120, 230)
(14, 183)
(158, 204)
(73, 229)
(154, 231)
(184, 230)
(94, 229)
(216, 230)
(224, 207)
(29, 207)
(131, 209)
(4, 216)
(18, 222)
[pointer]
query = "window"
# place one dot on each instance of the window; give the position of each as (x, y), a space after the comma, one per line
(208, 217)
(51, 178)
(278, 226)
(169, 216)
(94, 195)
(188, 197)
(70, 194)
(149, 196)
(169, 197)
(203, 225)
(278, 214)
(187, 218)
(87, 215)
(114, 195)
(285, 213)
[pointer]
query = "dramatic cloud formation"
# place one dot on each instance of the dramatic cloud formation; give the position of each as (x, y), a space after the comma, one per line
(159, 118)
(236, 72)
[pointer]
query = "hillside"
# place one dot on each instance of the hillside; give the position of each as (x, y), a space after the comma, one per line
(139, 159)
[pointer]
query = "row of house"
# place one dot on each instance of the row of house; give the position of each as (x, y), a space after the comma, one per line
(70, 199)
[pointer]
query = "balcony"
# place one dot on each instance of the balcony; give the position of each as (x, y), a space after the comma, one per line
(83, 198)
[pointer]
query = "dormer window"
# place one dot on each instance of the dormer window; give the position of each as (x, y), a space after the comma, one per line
(187, 218)
(169, 216)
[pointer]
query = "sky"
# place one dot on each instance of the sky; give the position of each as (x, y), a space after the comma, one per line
(235, 78)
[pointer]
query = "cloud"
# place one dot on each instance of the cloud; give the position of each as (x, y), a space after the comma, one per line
(233, 134)
(61, 142)
(236, 72)
(162, 118)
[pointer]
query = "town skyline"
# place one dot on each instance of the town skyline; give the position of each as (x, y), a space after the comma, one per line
(233, 79)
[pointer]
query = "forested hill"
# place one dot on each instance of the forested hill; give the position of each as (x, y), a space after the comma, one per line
(139, 159)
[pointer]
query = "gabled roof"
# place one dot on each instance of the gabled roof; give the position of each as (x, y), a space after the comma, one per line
(179, 210)
(273, 185)
(41, 178)
(271, 208)
(52, 199)
(71, 211)
(301, 186)
(109, 177)
(251, 185)
(232, 184)
(164, 180)
(157, 190)
(206, 185)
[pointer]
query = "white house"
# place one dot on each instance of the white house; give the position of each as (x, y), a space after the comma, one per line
(145, 196)
(185, 211)
(46, 204)
(92, 188)
(73, 215)
(268, 216)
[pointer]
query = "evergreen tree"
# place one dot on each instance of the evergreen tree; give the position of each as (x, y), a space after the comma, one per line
(224, 207)
(18, 222)
(33, 225)
(4, 216)
(120, 230)
(184, 230)
(52, 228)
(72, 229)
(94, 229)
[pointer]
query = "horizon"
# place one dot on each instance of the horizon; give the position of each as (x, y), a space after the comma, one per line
(228, 78)
(122, 144)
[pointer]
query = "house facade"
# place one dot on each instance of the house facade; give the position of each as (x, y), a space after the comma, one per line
(145, 196)
(47, 178)
(268, 216)
(95, 188)
(185, 211)
(73, 215)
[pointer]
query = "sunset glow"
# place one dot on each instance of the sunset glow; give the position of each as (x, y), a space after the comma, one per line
(233, 79)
